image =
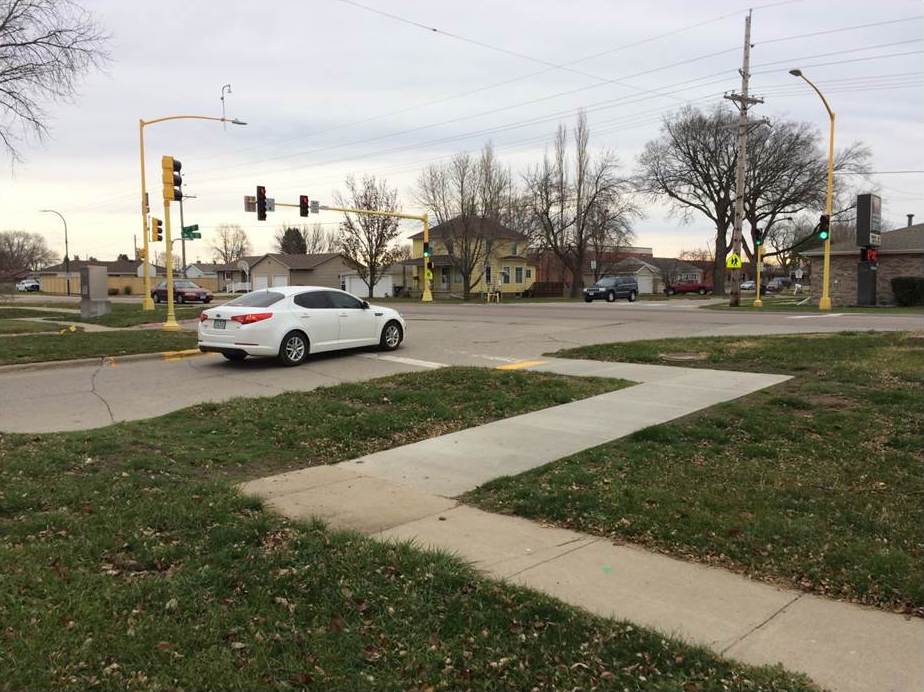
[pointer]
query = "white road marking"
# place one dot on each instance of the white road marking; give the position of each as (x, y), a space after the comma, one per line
(800, 317)
(407, 361)
(835, 314)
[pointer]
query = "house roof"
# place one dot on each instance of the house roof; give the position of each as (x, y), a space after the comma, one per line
(673, 264)
(298, 262)
(206, 266)
(113, 268)
(232, 266)
(487, 227)
(438, 261)
(634, 265)
(909, 239)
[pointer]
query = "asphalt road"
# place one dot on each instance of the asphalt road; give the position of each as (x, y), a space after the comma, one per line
(83, 397)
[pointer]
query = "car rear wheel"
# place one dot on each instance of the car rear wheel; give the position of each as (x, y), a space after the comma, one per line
(234, 356)
(157, 297)
(180, 300)
(294, 349)
(392, 335)
(632, 296)
(702, 291)
(611, 297)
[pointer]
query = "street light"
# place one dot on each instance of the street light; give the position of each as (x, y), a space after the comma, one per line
(148, 303)
(825, 302)
(67, 254)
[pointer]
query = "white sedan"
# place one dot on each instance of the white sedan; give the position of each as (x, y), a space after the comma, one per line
(290, 322)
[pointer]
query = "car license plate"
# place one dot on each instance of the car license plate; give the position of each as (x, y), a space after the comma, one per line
(218, 324)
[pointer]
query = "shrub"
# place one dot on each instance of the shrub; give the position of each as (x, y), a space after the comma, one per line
(127, 290)
(908, 290)
(113, 291)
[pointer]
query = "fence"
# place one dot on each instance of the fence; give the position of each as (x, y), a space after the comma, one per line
(117, 285)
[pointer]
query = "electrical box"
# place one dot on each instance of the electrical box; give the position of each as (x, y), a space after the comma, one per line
(94, 291)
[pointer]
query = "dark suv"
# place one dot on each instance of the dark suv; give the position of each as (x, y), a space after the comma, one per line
(611, 288)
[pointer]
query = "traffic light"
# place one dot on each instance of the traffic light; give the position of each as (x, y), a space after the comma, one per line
(303, 205)
(426, 250)
(157, 230)
(261, 203)
(758, 237)
(173, 181)
(824, 227)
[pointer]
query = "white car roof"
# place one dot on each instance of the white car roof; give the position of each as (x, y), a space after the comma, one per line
(291, 290)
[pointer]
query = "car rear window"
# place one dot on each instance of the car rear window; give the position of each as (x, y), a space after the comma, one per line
(256, 299)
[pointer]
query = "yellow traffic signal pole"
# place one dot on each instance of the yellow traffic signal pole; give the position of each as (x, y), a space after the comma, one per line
(825, 302)
(170, 325)
(427, 296)
(148, 303)
(758, 303)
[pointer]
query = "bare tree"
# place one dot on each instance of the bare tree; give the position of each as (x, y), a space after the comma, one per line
(787, 173)
(463, 195)
(611, 229)
(317, 240)
(46, 46)
(367, 241)
(21, 250)
(698, 254)
(693, 161)
(160, 260)
(230, 243)
(290, 240)
(567, 197)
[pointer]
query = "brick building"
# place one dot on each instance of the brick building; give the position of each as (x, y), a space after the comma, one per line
(901, 254)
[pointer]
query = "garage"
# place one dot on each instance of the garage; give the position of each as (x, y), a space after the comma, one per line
(280, 280)
(645, 282)
(260, 282)
(355, 285)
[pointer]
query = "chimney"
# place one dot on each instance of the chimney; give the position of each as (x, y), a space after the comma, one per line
(910, 218)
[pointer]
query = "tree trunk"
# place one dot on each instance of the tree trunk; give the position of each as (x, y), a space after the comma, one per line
(718, 266)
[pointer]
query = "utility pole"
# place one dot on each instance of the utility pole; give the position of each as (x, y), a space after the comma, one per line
(182, 237)
(744, 101)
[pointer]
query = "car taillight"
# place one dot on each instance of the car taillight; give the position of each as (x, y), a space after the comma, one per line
(252, 317)
(202, 317)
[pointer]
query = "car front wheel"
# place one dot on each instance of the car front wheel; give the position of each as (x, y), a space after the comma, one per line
(157, 297)
(392, 335)
(669, 291)
(588, 299)
(294, 349)
(702, 291)
(611, 297)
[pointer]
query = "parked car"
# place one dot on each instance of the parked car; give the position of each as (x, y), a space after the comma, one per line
(184, 291)
(28, 285)
(688, 287)
(780, 283)
(610, 288)
(289, 322)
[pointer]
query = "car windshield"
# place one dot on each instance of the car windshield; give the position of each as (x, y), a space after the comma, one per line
(605, 283)
(256, 299)
(184, 284)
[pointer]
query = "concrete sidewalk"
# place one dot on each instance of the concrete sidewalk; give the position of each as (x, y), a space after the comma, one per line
(407, 494)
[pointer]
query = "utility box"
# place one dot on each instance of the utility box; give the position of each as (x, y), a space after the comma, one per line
(94, 292)
(866, 283)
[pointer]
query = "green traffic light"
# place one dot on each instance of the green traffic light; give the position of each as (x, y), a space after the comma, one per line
(823, 234)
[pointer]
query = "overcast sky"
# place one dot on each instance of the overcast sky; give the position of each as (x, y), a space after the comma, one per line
(329, 88)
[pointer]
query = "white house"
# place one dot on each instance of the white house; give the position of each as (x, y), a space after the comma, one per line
(392, 281)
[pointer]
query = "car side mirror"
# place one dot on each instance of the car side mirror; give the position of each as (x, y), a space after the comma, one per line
(365, 305)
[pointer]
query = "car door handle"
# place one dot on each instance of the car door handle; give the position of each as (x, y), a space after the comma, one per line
(344, 314)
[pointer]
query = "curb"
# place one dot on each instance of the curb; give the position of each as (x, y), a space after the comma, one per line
(103, 360)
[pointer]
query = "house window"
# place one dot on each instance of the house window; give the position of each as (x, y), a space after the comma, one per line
(519, 275)
(487, 275)
(444, 276)
(513, 249)
(529, 273)
(505, 275)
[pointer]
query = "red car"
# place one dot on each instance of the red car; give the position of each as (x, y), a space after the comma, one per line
(688, 287)
(184, 291)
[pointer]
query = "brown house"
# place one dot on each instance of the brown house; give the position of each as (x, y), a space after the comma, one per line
(276, 269)
(901, 254)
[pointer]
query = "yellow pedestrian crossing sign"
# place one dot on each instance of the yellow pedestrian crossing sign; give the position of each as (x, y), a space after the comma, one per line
(732, 261)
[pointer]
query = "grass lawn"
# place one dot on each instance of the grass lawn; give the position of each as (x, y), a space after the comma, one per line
(12, 313)
(122, 315)
(24, 327)
(816, 482)
(48, 347)
(128, 562)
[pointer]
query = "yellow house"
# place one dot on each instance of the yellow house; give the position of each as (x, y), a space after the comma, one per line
(496, 257)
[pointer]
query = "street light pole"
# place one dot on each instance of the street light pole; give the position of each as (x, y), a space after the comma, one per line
(67, 254)
(825, 302)
(148, 303)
